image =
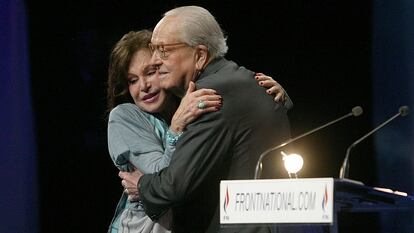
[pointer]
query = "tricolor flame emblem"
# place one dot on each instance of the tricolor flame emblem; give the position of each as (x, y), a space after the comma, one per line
(325, 199)
(226, 200)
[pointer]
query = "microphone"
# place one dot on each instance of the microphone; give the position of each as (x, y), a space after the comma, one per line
(356, 111)
(344, 171)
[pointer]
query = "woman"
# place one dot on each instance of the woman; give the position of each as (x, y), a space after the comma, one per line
(145, 121)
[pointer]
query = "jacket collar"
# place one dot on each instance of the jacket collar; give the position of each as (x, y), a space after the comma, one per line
(214, 66)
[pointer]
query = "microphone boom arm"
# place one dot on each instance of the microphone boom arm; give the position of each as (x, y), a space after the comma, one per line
(344, 171)
(259, 165)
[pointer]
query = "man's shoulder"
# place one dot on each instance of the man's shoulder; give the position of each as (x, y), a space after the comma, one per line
(233, 67)
(226, 73)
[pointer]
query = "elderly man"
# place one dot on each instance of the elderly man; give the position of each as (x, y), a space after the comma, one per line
(188, 45)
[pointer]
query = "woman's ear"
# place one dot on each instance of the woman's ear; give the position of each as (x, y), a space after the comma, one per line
(201, 56)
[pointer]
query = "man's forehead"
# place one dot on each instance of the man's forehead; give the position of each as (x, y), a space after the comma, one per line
(165, 32)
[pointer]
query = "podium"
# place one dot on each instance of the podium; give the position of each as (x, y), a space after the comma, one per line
(355, 197)
(307, 201)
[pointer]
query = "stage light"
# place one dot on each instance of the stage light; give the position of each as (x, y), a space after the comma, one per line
(293, 163)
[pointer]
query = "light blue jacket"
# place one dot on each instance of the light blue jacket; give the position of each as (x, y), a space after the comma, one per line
(137, 139)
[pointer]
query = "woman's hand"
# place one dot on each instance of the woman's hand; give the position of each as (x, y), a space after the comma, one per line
(273, 87)
(193, 104)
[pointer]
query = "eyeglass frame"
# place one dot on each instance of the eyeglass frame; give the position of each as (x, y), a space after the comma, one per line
(160, 48)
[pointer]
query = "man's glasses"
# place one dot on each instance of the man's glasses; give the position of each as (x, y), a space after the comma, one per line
(162, 49)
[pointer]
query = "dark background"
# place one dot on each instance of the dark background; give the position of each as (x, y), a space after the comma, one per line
(320, 51)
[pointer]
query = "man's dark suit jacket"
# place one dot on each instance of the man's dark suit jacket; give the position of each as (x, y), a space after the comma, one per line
(223, 145)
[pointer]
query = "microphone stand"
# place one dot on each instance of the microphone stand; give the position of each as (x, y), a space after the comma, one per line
(344, 171)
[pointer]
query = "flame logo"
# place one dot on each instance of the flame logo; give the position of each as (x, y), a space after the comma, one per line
(226, 200)
(325, 199)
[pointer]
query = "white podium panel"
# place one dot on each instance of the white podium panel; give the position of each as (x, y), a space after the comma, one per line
(308, 200)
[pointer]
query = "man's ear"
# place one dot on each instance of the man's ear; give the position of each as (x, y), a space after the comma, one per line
(201, 56)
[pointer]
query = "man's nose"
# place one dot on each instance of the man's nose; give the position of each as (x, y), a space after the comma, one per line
(155, 59)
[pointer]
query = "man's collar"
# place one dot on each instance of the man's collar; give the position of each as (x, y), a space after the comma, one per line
(212, 67)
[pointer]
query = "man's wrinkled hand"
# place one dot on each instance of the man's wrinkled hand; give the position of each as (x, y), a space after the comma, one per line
(130, 182)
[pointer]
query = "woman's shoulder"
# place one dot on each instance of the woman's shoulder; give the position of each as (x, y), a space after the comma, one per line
(126, 110)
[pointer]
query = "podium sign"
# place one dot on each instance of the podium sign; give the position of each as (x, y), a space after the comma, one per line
(308, 200)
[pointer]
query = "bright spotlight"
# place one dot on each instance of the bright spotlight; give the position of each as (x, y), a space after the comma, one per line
(293, 163)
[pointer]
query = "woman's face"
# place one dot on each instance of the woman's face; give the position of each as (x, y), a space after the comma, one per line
(144, 83)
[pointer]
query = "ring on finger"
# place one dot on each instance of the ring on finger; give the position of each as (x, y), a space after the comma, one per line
(201, 105)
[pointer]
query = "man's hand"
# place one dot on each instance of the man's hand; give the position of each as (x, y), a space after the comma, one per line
(130, 182)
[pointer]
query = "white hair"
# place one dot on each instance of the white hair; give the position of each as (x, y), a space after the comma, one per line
(198, 26)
